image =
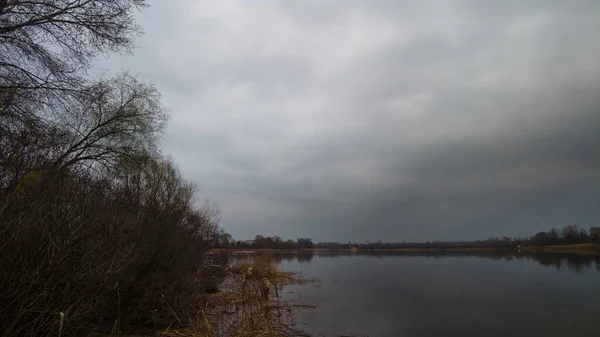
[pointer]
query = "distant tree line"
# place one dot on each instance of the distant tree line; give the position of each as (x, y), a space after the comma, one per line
(571, 234)
(225, 240)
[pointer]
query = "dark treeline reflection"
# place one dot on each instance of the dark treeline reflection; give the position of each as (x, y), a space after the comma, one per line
(574, 263)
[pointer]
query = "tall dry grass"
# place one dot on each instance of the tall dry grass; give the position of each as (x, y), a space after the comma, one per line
(249, 305)
(256, 266)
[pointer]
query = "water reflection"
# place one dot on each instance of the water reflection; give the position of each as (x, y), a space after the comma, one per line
(305, 257)
(439, 294)
(575, 263)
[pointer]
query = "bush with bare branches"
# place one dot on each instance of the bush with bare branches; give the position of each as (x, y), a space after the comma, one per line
(97, 226)
(98, 231)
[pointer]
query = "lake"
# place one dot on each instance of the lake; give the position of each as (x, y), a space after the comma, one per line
(446, 295)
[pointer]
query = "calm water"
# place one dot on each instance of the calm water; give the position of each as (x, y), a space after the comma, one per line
(447, 295)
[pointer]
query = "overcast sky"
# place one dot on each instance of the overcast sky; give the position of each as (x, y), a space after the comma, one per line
(392, 120)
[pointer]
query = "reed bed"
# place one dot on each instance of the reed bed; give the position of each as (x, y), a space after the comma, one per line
(250, 304)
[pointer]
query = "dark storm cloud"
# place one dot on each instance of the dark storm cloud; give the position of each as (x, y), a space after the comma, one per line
(392, 120)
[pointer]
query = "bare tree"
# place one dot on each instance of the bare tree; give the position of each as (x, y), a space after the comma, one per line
(109, 121)
(45, 49)
(92, 217)
(115, 118)
(47, 44)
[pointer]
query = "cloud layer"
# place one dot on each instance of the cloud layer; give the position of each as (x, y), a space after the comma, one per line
(391, 120)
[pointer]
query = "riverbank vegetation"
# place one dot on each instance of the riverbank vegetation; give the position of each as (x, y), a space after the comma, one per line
(249, 303)
(99, 232)
(251, 306)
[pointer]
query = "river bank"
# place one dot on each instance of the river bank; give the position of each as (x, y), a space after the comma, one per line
(578, 249)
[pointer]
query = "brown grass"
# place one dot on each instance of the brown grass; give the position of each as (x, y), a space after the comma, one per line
(260, 267)
(256, 267)
(581, 249)
(249, 305)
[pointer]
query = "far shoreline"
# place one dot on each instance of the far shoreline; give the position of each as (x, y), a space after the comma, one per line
(575, 249)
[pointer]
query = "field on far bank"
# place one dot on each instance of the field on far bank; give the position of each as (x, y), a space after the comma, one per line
(581, 248)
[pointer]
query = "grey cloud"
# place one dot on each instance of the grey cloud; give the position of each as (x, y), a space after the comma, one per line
(392, 120)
